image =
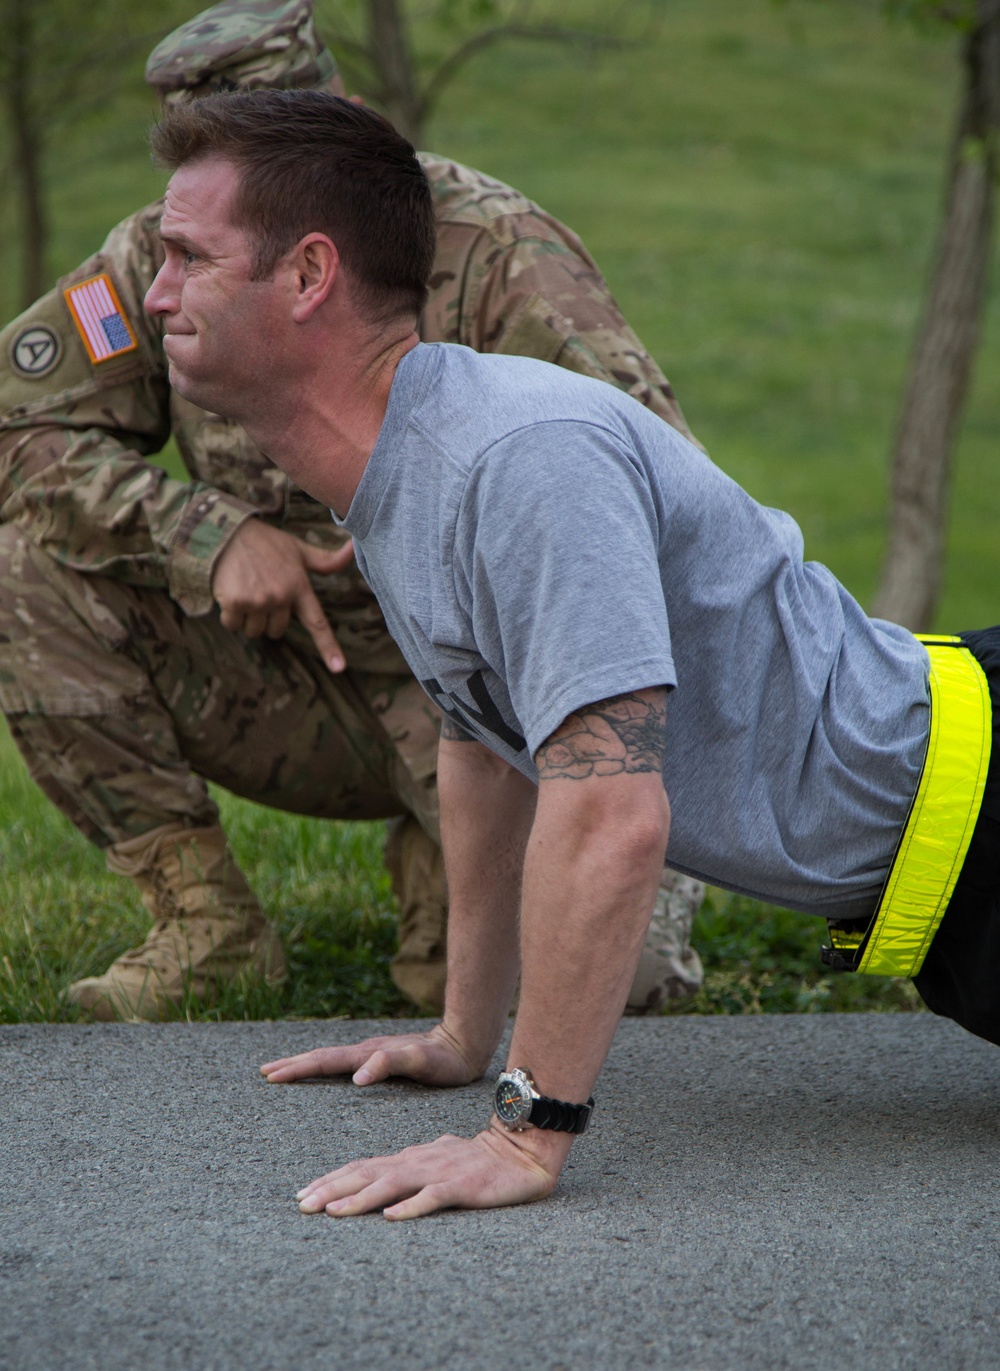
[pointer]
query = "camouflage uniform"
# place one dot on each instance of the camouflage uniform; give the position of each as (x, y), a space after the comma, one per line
(120, 686)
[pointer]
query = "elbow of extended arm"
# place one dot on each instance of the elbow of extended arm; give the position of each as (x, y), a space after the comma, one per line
(627, 818)
(644, 830)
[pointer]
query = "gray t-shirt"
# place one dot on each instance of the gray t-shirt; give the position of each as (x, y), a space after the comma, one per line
(539, 541)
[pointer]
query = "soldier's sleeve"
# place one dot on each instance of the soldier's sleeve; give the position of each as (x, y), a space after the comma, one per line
(530, 287)
(83, 401)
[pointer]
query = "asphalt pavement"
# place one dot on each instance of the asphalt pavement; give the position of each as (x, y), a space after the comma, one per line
(815, 1191)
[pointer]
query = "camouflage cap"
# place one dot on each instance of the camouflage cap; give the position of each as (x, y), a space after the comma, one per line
(244, 45)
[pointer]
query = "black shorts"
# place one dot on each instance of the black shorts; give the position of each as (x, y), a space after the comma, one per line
(960, 977)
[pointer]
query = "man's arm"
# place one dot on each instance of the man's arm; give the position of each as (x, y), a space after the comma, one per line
(486, 814)
(590, 869)
(99, 507)
(102, 509)
(595, 856)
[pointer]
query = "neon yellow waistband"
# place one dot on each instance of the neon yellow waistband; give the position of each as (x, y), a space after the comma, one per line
(940, 824)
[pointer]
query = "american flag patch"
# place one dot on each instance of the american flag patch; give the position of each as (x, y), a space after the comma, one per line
(99, 318)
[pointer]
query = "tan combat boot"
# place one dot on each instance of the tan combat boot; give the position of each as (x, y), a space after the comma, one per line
(416, 867)
(669, 967)
(208, 927)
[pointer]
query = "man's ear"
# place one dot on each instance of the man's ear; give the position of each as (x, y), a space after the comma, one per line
(315, 265)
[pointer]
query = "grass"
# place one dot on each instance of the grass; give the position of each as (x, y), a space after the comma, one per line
(760, 184)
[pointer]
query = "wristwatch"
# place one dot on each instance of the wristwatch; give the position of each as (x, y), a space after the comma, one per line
(519, 1106)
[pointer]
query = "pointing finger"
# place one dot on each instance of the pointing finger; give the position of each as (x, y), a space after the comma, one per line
(310, 612)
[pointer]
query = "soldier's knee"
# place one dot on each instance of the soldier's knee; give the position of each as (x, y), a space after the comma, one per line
(59, 641)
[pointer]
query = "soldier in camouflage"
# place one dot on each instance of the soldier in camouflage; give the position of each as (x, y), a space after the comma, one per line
(158, 634)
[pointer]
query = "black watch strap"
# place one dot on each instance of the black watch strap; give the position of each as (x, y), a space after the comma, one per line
(560, 1116)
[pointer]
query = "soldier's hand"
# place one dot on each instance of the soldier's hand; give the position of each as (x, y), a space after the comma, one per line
(433, 1058)
(262, 579)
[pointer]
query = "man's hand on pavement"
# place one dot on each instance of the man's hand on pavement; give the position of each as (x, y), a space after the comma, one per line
(434, 1058)
(494, 1168)
(262, 579)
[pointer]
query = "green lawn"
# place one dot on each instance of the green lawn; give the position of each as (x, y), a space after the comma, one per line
(761, 186)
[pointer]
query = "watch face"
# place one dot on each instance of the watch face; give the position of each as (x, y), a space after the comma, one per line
(511, 1101)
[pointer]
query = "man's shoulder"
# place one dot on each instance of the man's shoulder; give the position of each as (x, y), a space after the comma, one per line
(467, 199)
(464, 195)
(529, 381)
(480, 399)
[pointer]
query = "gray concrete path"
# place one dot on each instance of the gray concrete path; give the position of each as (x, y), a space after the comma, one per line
(756, 1192)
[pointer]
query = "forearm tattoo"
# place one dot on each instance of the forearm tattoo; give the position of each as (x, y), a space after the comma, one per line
(454, 732)
(610, 738)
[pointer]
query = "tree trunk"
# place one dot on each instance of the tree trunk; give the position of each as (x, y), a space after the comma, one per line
(26, 149)
(392, 57)
(943, 356)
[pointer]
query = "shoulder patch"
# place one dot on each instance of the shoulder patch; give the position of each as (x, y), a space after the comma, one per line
(35, 351)
(100, 319)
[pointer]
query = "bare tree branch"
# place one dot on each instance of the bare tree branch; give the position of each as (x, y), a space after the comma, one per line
(552, 33)
(340, 44)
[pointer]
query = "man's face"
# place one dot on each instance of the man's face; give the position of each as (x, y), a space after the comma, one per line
(221, 329)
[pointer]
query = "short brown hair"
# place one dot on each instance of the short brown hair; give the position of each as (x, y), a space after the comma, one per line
(314, 163)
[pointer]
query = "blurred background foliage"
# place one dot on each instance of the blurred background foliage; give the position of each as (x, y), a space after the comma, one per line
(761, 184)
